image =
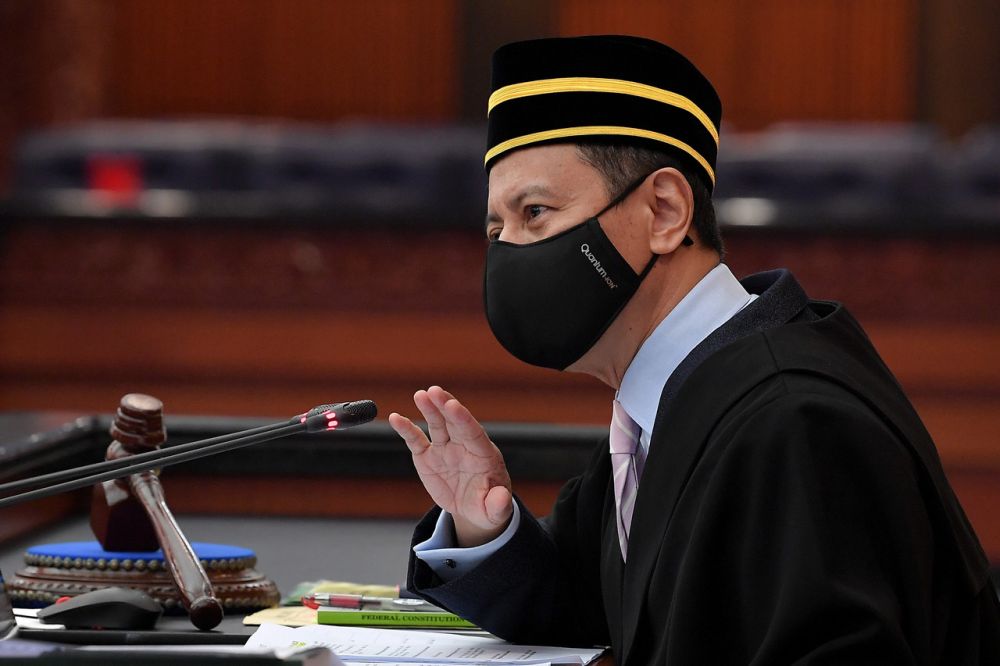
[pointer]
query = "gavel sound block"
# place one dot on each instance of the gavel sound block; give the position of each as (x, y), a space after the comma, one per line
(132, 521)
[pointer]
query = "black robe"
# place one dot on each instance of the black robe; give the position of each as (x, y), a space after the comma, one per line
(792, 510)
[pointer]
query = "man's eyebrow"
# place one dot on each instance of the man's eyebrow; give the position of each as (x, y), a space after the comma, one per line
(514, 202)
(530, 191)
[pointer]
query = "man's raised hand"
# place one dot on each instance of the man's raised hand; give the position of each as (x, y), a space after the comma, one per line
(462, 470)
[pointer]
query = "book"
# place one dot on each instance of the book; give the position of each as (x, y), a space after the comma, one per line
(391, 618)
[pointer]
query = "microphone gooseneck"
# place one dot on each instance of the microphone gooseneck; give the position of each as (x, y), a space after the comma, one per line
(107, 465)
(323, 418)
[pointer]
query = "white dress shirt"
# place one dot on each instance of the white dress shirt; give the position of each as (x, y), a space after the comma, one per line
(710, 304)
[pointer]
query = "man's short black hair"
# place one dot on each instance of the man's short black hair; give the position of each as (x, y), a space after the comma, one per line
(621, 165)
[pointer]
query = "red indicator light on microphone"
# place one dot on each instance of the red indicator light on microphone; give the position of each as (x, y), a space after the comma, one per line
(340, 415)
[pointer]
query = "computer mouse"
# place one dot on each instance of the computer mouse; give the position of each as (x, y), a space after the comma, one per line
(109, 608)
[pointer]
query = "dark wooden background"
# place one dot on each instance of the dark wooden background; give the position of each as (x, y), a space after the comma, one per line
(324, 60)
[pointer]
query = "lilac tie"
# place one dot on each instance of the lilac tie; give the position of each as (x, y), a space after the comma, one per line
(626, 464)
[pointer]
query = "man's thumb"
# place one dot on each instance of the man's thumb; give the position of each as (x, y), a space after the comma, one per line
(499, 505)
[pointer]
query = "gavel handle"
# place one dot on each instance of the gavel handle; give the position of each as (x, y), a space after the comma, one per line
(185, 568)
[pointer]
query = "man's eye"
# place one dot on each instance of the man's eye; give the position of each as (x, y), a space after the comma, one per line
(493, 233)
(535, 210)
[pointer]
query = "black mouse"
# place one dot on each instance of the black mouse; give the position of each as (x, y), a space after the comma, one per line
(110, 608)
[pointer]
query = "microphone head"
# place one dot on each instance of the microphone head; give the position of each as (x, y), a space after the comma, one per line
(334, 416)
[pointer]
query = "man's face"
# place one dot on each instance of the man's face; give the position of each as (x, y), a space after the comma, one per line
(538, 192)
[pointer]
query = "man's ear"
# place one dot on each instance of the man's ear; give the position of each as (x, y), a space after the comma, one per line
(673, 210)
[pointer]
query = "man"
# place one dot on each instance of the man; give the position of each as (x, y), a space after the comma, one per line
(766, 495)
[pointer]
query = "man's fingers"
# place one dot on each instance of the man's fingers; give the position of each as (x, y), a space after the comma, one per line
(439, 396)
(463, 426)
(449, 420)
(432, 414)
(414, 437)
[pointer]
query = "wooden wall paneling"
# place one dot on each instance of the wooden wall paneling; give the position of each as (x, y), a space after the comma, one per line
(307, 60)
(775, 60)
(270, 362)
(331, 496)
(185, 57)
(16, 79)
(709, 33)
(944, 278)
(878, 44)
(484, 26)
(960, 57)
(273, 363)
(173, 343)
(394, 59)
(53, 67)
(235, 265)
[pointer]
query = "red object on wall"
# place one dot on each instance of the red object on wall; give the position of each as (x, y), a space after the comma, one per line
(116, 178)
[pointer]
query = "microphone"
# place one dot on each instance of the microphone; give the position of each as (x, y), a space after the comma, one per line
(323, 418)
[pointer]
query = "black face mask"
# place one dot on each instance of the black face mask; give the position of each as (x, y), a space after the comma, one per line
(548, 302)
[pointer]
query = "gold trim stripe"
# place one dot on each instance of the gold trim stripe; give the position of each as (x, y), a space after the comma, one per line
(587, 84)
(591, 130)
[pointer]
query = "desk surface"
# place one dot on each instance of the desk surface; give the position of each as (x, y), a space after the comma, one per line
(289, 550)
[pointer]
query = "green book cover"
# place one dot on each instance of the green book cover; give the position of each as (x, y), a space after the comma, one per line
(390, 618)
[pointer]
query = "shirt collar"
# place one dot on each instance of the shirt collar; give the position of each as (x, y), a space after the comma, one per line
(711, 303)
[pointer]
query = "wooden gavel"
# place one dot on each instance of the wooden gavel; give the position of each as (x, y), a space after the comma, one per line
(131, 514)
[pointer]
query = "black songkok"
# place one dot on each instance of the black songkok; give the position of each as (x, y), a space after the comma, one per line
(611, 88)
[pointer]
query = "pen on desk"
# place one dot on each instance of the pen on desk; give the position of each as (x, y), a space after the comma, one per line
(361, 601)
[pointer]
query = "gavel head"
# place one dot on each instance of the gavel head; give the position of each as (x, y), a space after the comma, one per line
(138, 425)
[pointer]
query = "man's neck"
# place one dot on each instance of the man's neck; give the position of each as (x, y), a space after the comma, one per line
(667, 283)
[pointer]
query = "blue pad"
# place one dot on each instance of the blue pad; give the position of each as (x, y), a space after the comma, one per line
(90, 555)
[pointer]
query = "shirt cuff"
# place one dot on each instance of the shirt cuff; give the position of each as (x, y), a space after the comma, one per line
(449, 561)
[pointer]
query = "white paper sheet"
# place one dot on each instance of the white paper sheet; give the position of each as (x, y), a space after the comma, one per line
(356, 645)
(310, 655)
(421, 663)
